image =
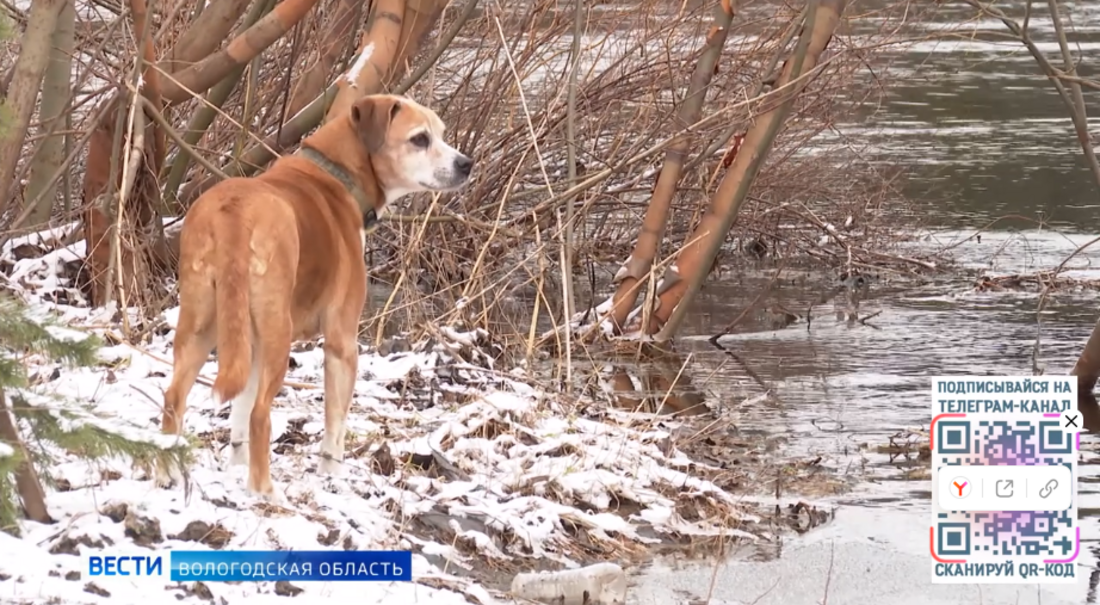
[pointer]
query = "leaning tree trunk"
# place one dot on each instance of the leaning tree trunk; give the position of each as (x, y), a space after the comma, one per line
(200, 121)
(696, 258)
(198, 78)
(339, 28)
(376, 57)
(257, 156)
(56, 95)
(205, 34)
(27, 484)
(113, 255)
(22, 93)
(638, 266)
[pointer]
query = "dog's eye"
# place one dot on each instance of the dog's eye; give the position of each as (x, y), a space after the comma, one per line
(421, 140)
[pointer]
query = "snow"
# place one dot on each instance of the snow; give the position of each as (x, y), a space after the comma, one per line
(513, 467)
(360, 62)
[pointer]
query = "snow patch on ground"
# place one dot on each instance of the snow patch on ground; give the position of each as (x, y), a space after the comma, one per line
(448, 456)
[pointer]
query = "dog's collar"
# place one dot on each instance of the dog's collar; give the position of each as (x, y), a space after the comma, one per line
(370, 215)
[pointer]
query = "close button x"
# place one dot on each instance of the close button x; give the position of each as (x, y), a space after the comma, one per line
(1071, 420)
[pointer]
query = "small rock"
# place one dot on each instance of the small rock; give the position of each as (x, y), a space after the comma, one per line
(68, 545)
(115, 511)
(92, 588)
(110, 475)
(143, 530)
(23, 251)
(215, 536)
(286, 589)
(599, 584)
(72, 576)
(202, 591)
(330, 538)
(383, 461)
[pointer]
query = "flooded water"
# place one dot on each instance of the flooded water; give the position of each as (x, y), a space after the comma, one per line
(984, 136)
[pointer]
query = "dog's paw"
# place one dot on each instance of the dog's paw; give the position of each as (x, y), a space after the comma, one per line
(238, 455)
(167, 478)
(266, 494)
(330, 467)
(260, 489)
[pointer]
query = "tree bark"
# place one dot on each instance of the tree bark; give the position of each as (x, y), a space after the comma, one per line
(198, 78)
(142, 224)
(56, 96)
(201, 120)
(206, 33)
(339, 28)
(375, 60)
(696, 258)
(257, 156)
(29, 487)
(30, 66)
(638, 266)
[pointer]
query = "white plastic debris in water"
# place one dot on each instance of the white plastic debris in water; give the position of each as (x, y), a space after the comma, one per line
(599, 584)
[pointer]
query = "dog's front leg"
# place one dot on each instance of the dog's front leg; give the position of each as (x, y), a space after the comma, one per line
(341, 368)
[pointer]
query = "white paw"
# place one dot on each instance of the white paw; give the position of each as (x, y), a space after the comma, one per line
(166, 478)
(329, 466)
(238, 455)
(262, 491)
(269, 496)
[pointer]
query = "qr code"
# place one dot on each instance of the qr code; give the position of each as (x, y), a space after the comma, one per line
(974, 442)
(1006, 534)
(1002, 442)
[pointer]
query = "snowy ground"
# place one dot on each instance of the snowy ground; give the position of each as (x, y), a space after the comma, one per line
(467, 465)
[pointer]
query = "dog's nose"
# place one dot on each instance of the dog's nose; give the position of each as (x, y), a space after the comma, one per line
(463, 164)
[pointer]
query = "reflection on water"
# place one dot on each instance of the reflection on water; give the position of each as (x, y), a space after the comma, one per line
(652, 381)
(983, 131)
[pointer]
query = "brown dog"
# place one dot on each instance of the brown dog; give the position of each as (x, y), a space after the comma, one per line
(269, 260)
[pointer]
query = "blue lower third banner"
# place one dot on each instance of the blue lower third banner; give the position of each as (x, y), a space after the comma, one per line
(255, 565)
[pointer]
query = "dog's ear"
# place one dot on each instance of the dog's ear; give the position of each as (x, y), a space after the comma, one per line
(371, 117)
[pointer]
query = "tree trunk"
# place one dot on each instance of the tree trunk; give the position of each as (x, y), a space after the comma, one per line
(420, 17)
(199, 77)
(257, 156)
(56, 95)
(202, 119)
(338, 29)
(375, 60)
(29, 487)
(638, 266)
(206, 33)
(1087, 368)
(141, 245)
(696, 258)
(30, 66)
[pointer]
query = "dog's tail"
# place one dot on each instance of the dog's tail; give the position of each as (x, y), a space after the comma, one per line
(231, 292)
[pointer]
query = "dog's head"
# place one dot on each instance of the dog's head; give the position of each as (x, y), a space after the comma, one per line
(406, 146)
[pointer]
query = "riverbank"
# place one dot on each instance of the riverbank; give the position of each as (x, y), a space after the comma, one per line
(477, 469)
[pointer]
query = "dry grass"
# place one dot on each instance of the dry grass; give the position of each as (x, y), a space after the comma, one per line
(489, 256)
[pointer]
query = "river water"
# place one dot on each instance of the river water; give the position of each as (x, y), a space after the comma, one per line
(984, 137)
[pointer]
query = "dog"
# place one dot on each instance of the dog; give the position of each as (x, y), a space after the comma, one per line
(269, 260)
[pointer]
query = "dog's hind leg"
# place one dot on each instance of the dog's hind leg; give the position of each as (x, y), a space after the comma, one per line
(194, 340)
(241, 412)
(274, 355)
